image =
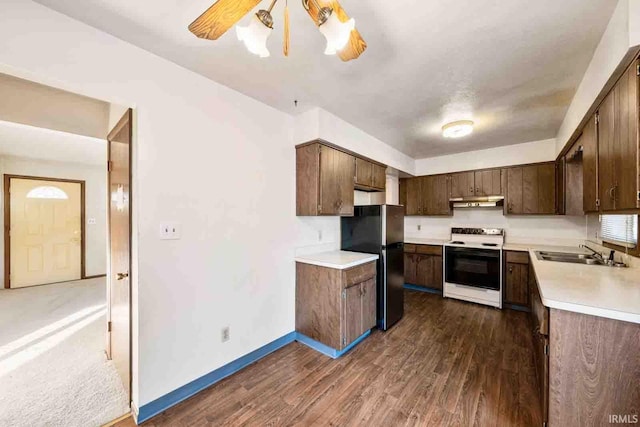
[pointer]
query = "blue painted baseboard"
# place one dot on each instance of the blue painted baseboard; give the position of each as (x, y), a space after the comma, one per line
(421, 289)
(170, 399)
(163, 403)
(325, 349)
(516, 307)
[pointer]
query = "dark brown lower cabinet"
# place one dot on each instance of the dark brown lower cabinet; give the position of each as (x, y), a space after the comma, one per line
(359, 310)
(594, 370)
(409, 268)
(516, 284)
(516, 279)
(540, 337)
(541, 360)
(429, 271)
(588, 367)
(423, 266)
(333, 306)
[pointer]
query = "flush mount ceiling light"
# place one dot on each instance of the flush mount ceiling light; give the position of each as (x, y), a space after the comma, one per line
(457, 129)
(332, 21)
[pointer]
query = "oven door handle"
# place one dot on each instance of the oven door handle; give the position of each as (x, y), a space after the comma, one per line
(476, 252)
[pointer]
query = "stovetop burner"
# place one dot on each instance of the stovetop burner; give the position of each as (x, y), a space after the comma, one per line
(490, 244)
(457, 242)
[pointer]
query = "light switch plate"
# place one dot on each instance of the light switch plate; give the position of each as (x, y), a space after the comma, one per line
(170, 231)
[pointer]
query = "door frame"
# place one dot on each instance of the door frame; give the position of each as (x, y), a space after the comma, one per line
(7, 224)
(127, 117)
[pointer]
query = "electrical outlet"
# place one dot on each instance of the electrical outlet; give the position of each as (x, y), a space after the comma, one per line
(225, 334)
(170, 231)
(419, 227)
(320, 235)
(91, 221)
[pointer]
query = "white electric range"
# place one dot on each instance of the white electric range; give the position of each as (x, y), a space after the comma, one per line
(473, 265)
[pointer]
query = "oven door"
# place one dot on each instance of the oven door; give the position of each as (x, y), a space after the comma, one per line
(479, 268)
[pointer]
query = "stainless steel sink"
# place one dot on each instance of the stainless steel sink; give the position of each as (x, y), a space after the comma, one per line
(587, 259)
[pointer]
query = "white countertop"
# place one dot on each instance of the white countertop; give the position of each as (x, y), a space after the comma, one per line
(340, 260)
(423, 241)
(526, 247)
(596, 290)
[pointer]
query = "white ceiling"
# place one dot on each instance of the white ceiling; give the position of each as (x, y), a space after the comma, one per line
(511, 66)
(20, 140)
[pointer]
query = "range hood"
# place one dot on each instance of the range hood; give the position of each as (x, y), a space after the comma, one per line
(477, 202)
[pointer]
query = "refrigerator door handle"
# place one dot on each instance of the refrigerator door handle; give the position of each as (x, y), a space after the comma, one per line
(383, 275)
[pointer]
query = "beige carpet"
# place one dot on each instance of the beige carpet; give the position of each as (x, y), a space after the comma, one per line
(53, 367)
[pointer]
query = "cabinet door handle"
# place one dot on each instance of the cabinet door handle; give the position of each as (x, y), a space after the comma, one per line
(470, 189)
(477, 190)
(511, 269)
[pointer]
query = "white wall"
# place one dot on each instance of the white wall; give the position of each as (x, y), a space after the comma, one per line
(528, 152)
(550, 230)
(622, 33)
(96, 202)
(219, 163)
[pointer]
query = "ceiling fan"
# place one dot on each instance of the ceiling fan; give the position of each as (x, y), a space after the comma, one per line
(332, 21)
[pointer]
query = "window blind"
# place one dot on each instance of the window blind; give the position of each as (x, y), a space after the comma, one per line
(620, 229)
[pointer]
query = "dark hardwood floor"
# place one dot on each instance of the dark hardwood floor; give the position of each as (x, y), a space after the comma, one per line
(446, 363)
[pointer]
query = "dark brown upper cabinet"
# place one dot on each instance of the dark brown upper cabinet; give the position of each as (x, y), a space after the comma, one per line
(462, 184)
(370, 176)
(606, 158)
(436, 190)
(589, 142)
(476, 183)
(531, 189)
(513, 204)
(413, 196)
(488, 182)
(576, 175)
(403, 193)
(618, 165)
(324, 181)
(364, 173)
(561, 183)
(426, 195)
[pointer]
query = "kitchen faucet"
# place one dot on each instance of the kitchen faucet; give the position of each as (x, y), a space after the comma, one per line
(596, 254)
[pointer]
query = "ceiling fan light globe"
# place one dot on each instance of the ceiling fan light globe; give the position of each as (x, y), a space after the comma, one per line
(254, 36)
(337, 33)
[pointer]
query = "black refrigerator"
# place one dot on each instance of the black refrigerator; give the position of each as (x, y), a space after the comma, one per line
(379, 229)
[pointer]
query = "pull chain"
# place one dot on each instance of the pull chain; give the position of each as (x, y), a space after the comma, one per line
(285, 43)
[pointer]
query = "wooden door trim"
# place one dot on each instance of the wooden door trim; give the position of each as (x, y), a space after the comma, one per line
(7, 223)
(126, 118)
